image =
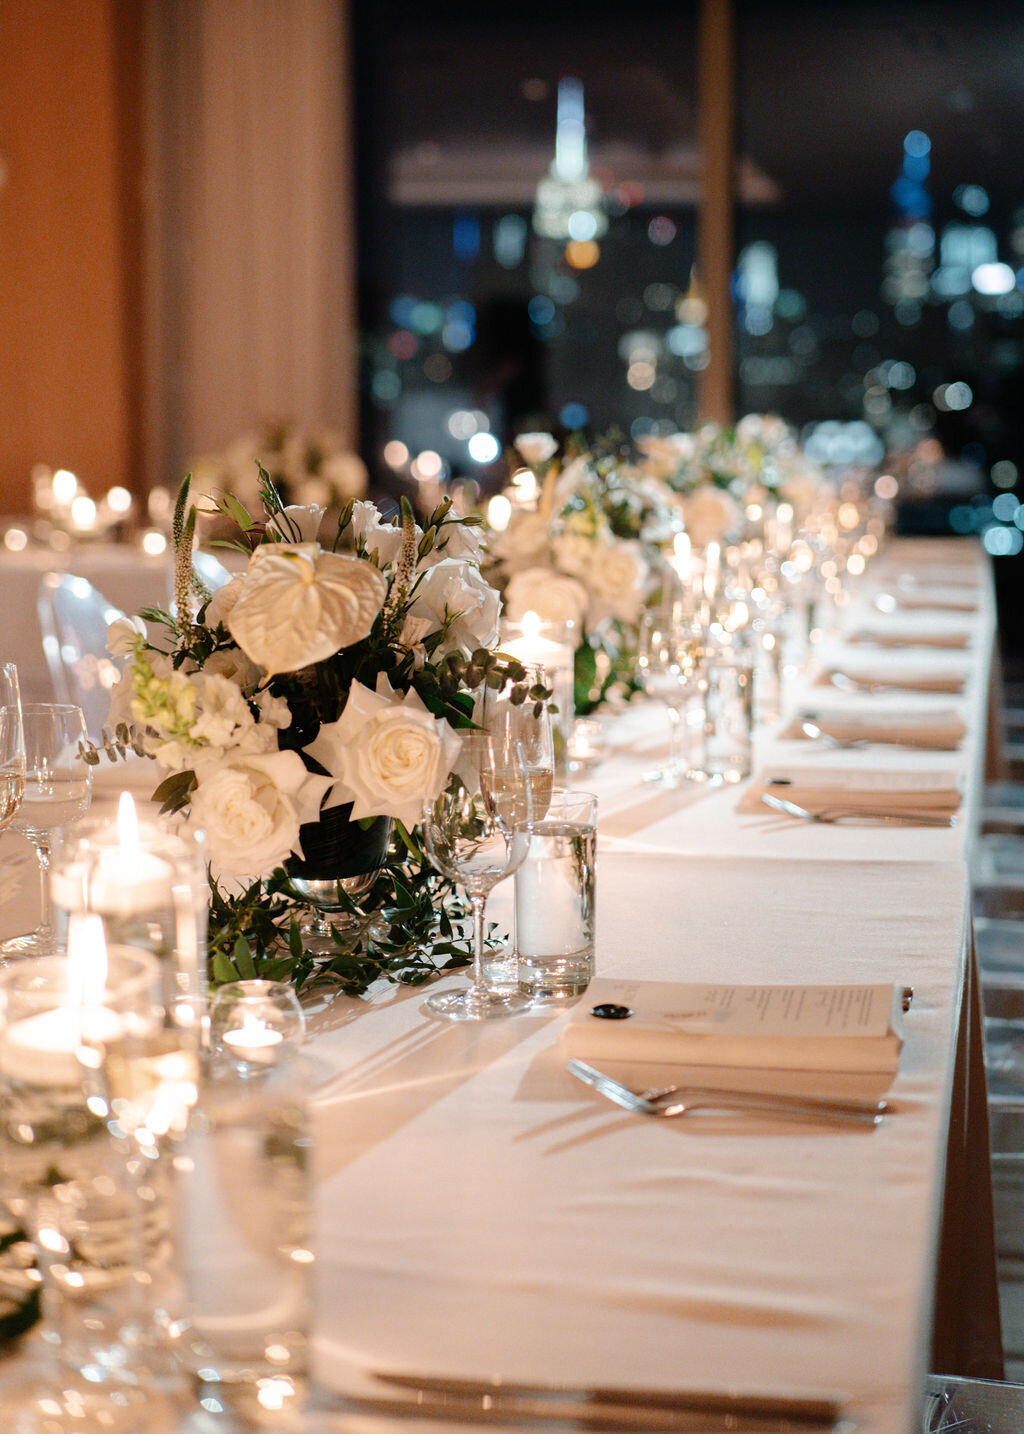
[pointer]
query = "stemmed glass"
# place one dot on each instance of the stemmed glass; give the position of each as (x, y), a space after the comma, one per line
(669, 654)
(58, 787)
(476, 833)
(12, 745)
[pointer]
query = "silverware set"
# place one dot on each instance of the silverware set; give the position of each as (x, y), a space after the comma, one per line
(666, 1102)
(856, 812)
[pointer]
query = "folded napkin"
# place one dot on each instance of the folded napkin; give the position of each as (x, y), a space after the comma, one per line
(938, 731)
(822, 789)
(906, 679)
(938, 601)
(910, 637)
(823, 1028)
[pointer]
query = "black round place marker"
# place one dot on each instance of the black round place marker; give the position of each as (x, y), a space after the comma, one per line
(610, 1011)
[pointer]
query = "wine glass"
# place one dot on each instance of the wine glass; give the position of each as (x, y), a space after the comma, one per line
(477, 832)
(12, 745)
(58, 787)
(669, 654)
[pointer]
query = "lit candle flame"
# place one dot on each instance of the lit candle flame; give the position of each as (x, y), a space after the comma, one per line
(128, 823)
(87, 959)
(531, 625)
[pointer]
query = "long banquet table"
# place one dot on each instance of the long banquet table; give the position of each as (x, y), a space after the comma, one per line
(479, 1213)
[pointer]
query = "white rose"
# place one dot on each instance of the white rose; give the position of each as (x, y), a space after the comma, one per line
(573, 552)
(383, 538)
(251, 809)
(617, 578)
(223, 601)
(346, 474)
(122, 635)
(524, 541)
(299, 523)
(709, 514)
(552, 596)
(455, 589)
(387, 753)
(300, 604)
(534, 448)
(232, 663)
(665, 454)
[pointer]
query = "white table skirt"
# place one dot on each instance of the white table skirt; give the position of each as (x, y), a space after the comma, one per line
(480, 1213)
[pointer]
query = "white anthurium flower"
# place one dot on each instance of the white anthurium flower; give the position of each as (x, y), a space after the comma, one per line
(223, 600)
(709, 514)
(553, 596)
(617, 578)
(379, 536)
(387, 753)
(122, 635)
(534, 448)
(251, 808)
(299, 523)
(456, 589)
(299, 605)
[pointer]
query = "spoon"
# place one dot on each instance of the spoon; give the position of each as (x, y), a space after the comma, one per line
(811, 729)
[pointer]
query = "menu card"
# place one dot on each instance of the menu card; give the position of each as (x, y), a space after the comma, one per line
(821, 1028)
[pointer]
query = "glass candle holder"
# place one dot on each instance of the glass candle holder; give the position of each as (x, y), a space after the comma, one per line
(256, 1024)
(549, 647)
(148, 884)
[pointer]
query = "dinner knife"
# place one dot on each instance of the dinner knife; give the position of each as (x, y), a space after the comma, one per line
(606, 1407)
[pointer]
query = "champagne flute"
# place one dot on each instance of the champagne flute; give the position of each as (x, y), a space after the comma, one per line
(476, 833)
(58, 787)
(12, 745)
(669, 654)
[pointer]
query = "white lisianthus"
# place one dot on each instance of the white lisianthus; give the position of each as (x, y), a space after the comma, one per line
(387, 753)
(709, 514)
(456, 540)
(617, 578)
(122, 635)
(299, 523)
(535, 448)
(553, 596)
(300, 604)
(454, 589)
(223, 601)
(378, 536)
(251, 808)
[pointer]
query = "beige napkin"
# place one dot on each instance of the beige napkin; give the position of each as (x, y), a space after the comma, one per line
(884, 637)
(904, 680)
(822, 789)
(938, 731)
(938, 602)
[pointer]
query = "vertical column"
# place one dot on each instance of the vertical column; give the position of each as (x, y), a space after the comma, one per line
(716, 126)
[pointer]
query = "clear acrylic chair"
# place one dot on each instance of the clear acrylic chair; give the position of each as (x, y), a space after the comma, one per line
(74, 618)
(972, 1406)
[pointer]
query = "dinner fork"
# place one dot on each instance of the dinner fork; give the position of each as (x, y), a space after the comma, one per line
(692, 1098)
(833, 814)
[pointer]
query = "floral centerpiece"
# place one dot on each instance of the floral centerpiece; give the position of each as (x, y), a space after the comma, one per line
(719, 469)
(583, 547)
(328, 679)
(305, 465)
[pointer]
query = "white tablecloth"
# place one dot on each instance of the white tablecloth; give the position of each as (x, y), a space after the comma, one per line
(480, 1213)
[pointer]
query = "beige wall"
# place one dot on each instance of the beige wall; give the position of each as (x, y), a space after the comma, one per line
(64, 343)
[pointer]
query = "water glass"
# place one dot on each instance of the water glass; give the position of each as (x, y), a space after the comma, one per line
(243, 1232)
(554, 900)
(727, 682)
